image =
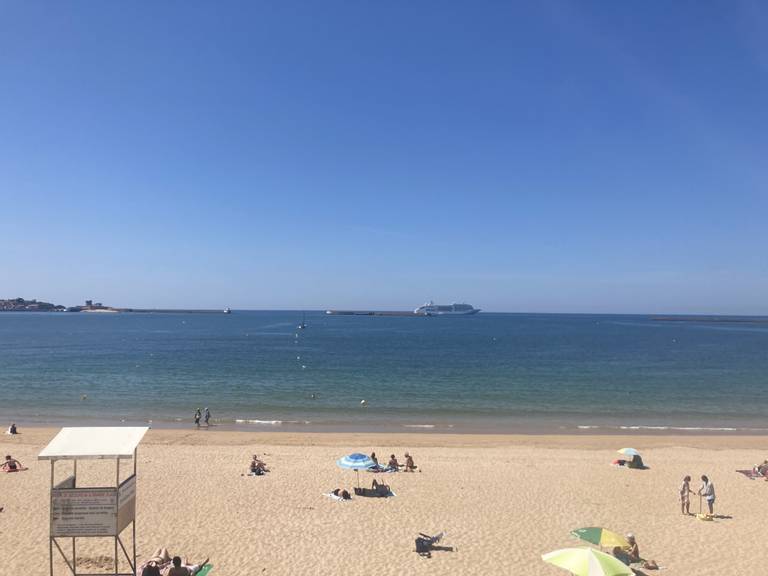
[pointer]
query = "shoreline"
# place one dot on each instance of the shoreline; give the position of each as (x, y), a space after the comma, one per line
(459, 428)
(216, 435)
(294, 427)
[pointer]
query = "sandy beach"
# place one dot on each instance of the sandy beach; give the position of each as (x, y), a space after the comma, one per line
(502, 500)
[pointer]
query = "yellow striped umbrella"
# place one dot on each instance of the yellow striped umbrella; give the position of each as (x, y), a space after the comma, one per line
(587, 562)
(601, 537)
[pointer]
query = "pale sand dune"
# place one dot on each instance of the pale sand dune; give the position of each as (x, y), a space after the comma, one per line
(503, 501)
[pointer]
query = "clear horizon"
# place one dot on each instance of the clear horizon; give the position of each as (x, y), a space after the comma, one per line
(554, 158)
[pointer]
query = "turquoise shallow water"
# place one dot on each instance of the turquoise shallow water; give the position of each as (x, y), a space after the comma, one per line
(502, 372)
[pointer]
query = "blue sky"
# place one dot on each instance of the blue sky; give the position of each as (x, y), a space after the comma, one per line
(542, 156)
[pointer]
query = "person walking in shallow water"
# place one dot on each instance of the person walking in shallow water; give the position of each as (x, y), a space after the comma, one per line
(198, 415)
(207, 416)
(685, 496)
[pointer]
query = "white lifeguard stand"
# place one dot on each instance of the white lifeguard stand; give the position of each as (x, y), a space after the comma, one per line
(81, 512)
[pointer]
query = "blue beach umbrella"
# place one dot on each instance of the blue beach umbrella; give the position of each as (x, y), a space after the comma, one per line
(355, 462)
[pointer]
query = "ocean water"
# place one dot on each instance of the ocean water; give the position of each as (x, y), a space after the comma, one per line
(489, 372)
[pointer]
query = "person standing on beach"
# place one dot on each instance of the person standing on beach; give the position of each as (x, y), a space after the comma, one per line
(708, 491)
(207, 416)
(685, 498)
(198, 415)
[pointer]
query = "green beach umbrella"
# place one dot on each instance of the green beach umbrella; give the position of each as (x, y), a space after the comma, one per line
(601, 537)
(587, 562)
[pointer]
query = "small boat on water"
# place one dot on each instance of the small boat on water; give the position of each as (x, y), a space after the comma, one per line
(227, 311)
(303, 323)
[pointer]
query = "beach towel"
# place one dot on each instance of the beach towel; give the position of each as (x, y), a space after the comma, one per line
(751, 474)
(371, 493)
(204, 570)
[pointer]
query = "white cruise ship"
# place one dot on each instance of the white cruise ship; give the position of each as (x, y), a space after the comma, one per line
(432, 309)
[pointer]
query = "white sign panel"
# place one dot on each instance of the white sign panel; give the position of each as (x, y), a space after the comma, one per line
(126, 503)
(84, 512)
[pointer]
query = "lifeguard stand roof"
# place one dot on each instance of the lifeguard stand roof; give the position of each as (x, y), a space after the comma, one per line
(97, 442)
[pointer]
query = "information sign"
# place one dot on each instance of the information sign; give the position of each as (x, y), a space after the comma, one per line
(83, 512)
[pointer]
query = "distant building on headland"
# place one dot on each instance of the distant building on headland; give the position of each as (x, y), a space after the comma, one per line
(90, 306)
(22, 305)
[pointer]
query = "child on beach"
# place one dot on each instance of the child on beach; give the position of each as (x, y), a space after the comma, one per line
(685, 499)
(198, 415)
(393, 463)
(409, 465)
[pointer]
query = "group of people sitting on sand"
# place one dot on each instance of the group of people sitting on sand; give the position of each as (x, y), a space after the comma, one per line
(631, 554)
(162, 564)
(393, 465)
(258, 467)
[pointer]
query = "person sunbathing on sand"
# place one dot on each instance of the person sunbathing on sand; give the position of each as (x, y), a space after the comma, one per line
(154, 566)
(151, 569)
(185, 570)
(11, 464)
(343, 494)
(409, 465)
(393, 463)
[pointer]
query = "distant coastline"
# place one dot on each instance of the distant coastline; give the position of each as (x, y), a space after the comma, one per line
(710, 318)
(23, 305)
